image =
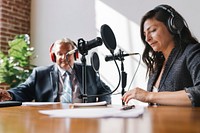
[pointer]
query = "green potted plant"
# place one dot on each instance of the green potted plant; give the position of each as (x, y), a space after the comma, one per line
(15, 66)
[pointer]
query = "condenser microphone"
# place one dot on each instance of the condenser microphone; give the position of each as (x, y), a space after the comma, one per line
(93, 43)
(84, 46)
(72, 51)
(118, 56)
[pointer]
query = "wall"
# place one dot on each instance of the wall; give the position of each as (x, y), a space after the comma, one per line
(14, 20)
(54, 19)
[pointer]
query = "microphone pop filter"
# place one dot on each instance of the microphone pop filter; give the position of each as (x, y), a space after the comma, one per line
(95, 61)
(108, 37)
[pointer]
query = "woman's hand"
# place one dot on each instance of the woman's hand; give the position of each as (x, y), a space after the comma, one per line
(136, 93)
(4, 95)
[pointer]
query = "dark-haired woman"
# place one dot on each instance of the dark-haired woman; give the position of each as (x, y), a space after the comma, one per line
(172, 56)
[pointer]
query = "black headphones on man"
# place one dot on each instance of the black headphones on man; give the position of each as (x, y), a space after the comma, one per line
(175, 22)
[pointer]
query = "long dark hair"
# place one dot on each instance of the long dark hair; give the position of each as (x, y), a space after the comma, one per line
(153, 59)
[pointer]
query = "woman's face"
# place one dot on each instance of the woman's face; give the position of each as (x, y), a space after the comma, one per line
(157, 35)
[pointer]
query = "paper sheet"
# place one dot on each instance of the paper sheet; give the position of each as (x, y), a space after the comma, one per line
(37, 103)
(94, 112)
(103, 103)
(90, 104)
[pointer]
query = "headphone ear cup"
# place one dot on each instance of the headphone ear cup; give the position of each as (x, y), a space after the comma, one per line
(76, 55)
(53, 57)
(175, 24)
(52, 54)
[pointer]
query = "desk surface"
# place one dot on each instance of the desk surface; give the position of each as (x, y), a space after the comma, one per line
(163, 119)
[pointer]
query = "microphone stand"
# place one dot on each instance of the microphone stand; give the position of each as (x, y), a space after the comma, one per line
(123, 73)
(83, 60)
(84, 52)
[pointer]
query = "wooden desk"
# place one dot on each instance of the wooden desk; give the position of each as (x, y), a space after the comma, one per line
(163, 119)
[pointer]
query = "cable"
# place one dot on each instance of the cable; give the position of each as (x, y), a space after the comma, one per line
(135, 73)
(104, 94)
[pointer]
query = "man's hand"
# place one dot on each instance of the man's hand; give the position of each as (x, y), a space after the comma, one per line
(4, 95)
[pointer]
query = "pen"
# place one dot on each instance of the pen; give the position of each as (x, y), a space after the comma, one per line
(128, 107)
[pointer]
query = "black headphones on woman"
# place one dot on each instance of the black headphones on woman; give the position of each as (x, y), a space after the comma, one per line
(175, 22)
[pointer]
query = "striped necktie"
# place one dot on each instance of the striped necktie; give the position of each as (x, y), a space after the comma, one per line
(66, 96)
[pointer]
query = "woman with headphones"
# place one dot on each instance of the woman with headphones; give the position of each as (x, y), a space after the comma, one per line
(172, 56)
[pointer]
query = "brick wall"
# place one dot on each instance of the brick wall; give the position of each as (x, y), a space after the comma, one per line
(14, 20)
